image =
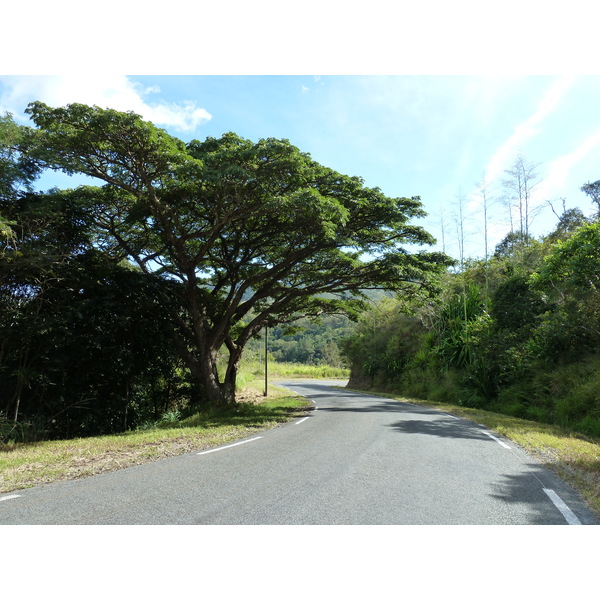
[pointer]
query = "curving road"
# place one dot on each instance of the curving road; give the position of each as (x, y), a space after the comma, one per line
(356, 460)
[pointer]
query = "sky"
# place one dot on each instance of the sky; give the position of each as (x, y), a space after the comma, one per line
(433, 136)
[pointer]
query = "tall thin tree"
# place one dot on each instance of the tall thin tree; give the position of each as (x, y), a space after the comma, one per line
(522, 177)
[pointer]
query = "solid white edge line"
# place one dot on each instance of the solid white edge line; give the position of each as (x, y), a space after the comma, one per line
(230, 445)
(496, 439)
(9, 497)
(567, 513)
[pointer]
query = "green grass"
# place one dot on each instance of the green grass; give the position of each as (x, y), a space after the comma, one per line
(25, 465)
(573, 456)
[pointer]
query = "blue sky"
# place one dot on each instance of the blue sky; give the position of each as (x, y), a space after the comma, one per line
(433, 136)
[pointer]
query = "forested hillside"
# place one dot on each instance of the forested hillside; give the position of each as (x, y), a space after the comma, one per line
(312, 341)
(517, 333)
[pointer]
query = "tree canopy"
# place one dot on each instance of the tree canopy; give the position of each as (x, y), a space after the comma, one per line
(253, 233)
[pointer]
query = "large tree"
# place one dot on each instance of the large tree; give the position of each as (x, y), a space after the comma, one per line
(254, 234)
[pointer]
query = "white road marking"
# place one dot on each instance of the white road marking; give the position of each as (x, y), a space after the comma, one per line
(496, 439)
(302, 420)
(9, 497)
(567, 513)
(231, 445)
(451, 416)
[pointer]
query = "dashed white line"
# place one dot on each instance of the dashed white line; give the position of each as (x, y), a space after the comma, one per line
(567, 513)
(496, 439)
(302, 420)
(9, 497)
(231, 445)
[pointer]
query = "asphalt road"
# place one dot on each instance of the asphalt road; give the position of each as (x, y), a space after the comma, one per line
(356, 460)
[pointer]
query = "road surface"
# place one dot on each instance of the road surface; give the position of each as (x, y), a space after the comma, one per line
(355, 460)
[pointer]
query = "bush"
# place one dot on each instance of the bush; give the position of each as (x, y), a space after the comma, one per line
(580, 402)
(567, 395)
(589, 426)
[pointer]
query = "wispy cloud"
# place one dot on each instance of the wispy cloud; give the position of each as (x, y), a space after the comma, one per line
(559, 169)
(505, 154)
(106, 91)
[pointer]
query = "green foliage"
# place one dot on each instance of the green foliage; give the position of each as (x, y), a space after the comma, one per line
(257, 233)
(574, 264)
(382, 343)
(129, 301)
(11, 431)
(88, 353)
(515, 305)
(452, 326)
(566, 394)
(311, 341)
(84, 342)
(569, 222)
(17, 171)
(570, 279)
(518, 334)
(513, 244)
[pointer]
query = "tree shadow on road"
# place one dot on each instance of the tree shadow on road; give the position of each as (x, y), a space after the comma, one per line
(392, 406)
(443, 426)
(439, 424)
(517, 489)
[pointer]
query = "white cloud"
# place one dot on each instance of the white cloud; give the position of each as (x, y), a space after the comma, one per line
(106, 91)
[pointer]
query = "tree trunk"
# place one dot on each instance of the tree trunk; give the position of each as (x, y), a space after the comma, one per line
(217, 393)
(202, 364)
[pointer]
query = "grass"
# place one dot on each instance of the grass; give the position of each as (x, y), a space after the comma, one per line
(283, 370)
(572, 456)
(24, 465)
(253, 370)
